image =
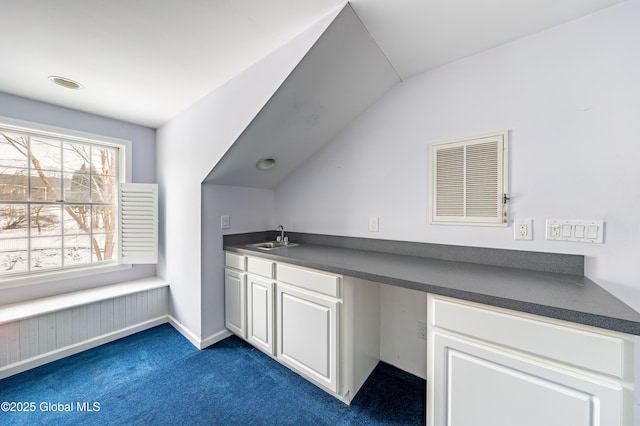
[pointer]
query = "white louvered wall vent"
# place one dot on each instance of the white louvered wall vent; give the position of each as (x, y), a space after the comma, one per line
(138, 223)
(469, 181)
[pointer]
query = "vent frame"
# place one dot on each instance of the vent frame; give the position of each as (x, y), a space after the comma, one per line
(469, 181)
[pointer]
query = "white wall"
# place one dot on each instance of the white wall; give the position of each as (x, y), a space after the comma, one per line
(143, 171)
(569, 97)
(189, 146)
(401, 309)
(249, 210)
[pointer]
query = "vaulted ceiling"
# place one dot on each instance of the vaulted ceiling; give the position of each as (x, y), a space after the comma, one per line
(145, 61)
(342, 73)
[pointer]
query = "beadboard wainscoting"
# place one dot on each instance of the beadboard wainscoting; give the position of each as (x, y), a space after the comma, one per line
(35, 333)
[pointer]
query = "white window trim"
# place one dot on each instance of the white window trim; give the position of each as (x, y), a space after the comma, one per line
(125, 148)
(59, 275)
(75, 135)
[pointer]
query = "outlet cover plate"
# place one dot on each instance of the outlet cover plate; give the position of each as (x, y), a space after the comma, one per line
(523, 229)
(422, 330)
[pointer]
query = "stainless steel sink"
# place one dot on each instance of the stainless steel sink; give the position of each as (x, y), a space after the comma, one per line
(271, 245)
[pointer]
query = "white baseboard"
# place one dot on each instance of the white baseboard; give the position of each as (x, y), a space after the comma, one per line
(195, 340)
(27, 364)
(66, 351)
(215, 338)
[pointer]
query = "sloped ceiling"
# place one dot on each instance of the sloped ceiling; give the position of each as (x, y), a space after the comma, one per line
(342, 75)
(146, 61)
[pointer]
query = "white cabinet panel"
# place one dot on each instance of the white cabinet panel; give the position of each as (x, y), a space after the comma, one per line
(260, 267)
(488, 366)
(235, 301)
(260, 313)
(547, 403)
(487, 386)
(308, 335)
(499, 403)
(235, 261)
(320, 282)
(567, 344)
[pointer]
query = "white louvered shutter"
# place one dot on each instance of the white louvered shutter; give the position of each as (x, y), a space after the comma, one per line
(138, 223)
(469, 181)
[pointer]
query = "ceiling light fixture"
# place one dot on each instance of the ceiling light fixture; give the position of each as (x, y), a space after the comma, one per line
(266, 163)
(66, 82)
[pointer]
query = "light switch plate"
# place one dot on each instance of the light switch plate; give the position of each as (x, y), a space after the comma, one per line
(224, 222)
(374, 222)
(582, 231)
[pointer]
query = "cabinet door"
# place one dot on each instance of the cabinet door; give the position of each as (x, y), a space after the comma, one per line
(308, 334)
(235, 301)
(260, 313)
(477, 384)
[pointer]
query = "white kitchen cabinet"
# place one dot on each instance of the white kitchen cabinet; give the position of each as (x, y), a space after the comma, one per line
(235, 301)
(308, 328)
(260, 313)
(260, 304)
(308, 321)
(328, 327)
(490, 366)
(323, 326)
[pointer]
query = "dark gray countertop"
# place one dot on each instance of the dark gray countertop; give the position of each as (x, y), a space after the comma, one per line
(568, 297)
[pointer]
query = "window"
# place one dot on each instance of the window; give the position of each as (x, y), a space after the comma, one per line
(469, 181)
(60, 200)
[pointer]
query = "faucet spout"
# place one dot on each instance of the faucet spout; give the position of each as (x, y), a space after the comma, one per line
(281, 229)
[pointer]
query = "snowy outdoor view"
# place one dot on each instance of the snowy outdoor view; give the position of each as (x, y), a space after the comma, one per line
(57, 203)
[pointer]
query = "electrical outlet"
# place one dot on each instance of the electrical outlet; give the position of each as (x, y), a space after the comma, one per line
(523, 229)
(422, 330)
(374, 222)
(224, 222)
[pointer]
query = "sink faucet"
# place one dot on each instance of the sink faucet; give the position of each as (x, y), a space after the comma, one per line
(281, 229)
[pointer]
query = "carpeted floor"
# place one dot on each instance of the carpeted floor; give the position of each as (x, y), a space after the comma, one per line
(157, 377)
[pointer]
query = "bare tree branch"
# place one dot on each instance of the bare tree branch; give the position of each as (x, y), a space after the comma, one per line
(20, 144)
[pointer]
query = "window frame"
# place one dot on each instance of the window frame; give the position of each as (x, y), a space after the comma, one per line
(124, 176)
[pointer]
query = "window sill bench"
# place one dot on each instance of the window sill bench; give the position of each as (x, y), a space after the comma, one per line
(45, 305)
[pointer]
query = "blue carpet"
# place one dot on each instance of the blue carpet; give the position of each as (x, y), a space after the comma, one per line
(156, 377)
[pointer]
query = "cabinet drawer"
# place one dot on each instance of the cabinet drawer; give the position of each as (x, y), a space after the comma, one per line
(260, 267)
(607, 353)
(311, 280)
(236, 261)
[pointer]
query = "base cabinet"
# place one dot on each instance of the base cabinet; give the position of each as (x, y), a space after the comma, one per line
(235, 301)
(505, 373)
(481, 385)
(308, 334)
(260, 313)
(323, 326)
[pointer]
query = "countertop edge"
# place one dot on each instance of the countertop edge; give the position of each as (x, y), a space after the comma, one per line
(570, 315)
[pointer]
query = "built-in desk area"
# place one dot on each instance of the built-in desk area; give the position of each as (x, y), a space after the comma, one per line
(525, 320)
